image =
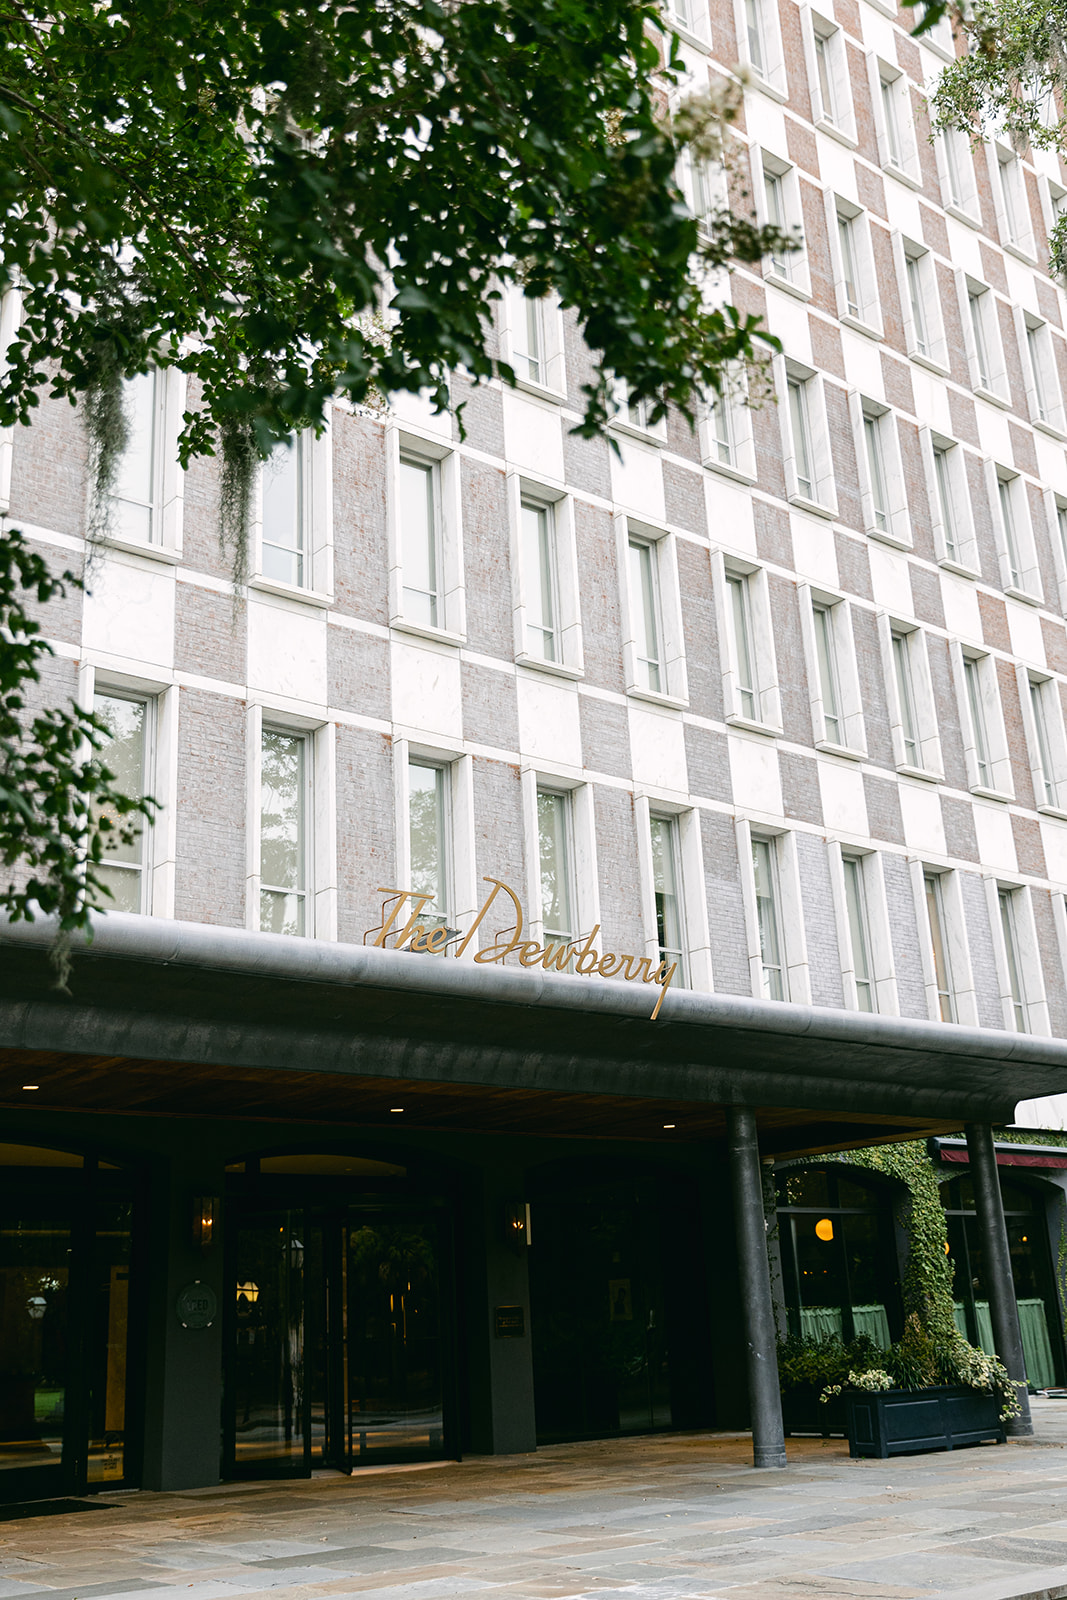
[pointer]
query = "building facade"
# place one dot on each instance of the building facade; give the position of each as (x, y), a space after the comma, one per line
(758, 725)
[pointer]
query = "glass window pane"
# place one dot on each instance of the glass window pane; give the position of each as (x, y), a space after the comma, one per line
(554, 846)
(763, 867)
(846, 237)
(1007, 899)
(528, 340)
(918, 306)
(539, 581)
(429, 860)
(664, 832)
(942, 971)
(872, 432)
(282, 848)
(859, 933)
(1038, 692)
(134, 509)
(977, 304)
(978, 722)
(746, 665)
(646, 615)
(1011, 538)
(798, 417)
(944, 496)
(124, 755)
(906, 697)
(892, 121)
(826, 87)
(283, 519)
(754, 27)
(418, 542)
(827, 659)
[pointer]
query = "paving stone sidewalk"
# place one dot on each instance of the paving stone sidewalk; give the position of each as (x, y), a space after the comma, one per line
(673, 1516)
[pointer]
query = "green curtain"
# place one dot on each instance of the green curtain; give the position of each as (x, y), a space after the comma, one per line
(872, 1321)
(1033, 1326)
(820, 1322)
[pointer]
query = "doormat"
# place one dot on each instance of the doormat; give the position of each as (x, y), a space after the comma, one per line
(51, 1508)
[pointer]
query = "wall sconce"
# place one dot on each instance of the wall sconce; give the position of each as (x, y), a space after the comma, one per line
(247, 1295)
(824, 1230)
(517, 1223)
(205, 1215)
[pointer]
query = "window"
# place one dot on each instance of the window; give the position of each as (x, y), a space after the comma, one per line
(853, 264)
(1019, 573)
(981, 331)
(647, 625)
(429, 827)
(135, 510)
(827, 93)
(985, 744)
(750, 688)
(913, 720)
(283, 826)
(726, 442)
(639, 416)
(891, 118)
(282, 516)
(765, 875)
(872, 438)
(829, 76)
(885, 507)
(859, 932)
(123, 868)
(1056, 513)
(836, 708)
(905, 683)
(942, 972)
(918, 310)
(1047, 741)
(894, 122)
(778, 206)
(829, 685)
(924, 332)
(949, 497)
(666, 885)
(1007, 904)
(747, 677)
(849, 273)
(757, 49)
(1046, 404)
(761, 42)
(706, 182)
(533, 340)
(528, 340)
(1011, 202)
(555, 839)
(420, 542)
(540, 581)
(774, 196)
(977, 306)
(800, 422)
(976, 708)
(958, 186)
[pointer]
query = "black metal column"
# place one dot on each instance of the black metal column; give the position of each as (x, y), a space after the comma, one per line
(764, 1394)
(1003, 1311)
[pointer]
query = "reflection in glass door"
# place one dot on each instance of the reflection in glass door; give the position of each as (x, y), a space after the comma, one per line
(35, 1361)
(270, 1421)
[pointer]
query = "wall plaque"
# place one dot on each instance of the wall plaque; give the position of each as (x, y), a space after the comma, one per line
(509, 1322)
(197, 1305)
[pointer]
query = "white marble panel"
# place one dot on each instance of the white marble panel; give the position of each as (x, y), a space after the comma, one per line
(931, 400)
(765, 123)
(286, 651)
(128, 610)
(533, 435)
(844, 804)
(787, 319)
(902, 207)
(1054, 841)
(637, 479)
(730, 520)
(863, 364)
(416, 410)
(427, 691)
(1051, 462)
(994, 434)
(1027, 640)
(757, 783)
(996, 842)
(890, 580)
(549, 728)
(814, 549)
(920, 809)
(657, 749)
(960, 600)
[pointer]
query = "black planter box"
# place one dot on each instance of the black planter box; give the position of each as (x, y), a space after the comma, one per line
(901, 1422)
(804, 1412)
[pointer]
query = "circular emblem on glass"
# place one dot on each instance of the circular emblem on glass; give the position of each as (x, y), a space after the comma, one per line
(197, 1305)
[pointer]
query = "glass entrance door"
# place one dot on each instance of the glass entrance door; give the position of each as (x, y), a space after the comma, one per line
(36, 1454)
(336, 1352)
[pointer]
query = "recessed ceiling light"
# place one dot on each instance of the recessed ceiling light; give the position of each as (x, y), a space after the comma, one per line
(396, 1108)
(670, 1124)
(31, 1086)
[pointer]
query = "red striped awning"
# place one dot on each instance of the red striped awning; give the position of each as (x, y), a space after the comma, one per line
(1010, 1158)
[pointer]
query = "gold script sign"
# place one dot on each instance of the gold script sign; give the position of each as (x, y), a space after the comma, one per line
(553, 957)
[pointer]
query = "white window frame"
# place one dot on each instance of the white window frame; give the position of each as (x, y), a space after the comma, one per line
(960, 974)
(316, 512)
(953, 150)
(1056, 513)
(873, 414)
(691, 20)
(997, 784)
(971, 290)
(710, 177)
(740, 440)
(839, 120)
(883, 982)
(584, 874)
(634, 417)
(1043, 393)
(796, 973)
(1006, 169)
(867, 318)
(932, 332)
(675, 691)
(320, 813)
(1020, 575)
(927, 740)
(907, 168)
(553, 384)
(964, 558)
(467, 888)
(168, 478)
(838, 613)
(1032, 1000)
(560, 508)
(725, 570)
(1050, 786)
(823, 499)
(770, 77)
(452, 628)
(1053, 206)
(690, 865)
(792, 273)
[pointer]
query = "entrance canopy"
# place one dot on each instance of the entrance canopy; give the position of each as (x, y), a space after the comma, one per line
(180, 1018)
